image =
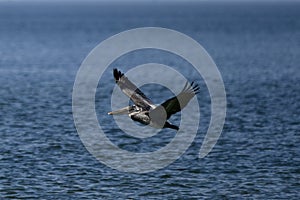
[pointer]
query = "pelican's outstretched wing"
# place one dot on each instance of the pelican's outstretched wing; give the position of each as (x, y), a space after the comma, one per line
(128, 88)
(177, 103)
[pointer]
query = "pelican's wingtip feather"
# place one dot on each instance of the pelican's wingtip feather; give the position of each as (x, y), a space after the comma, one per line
(117, 74)
(193, 87)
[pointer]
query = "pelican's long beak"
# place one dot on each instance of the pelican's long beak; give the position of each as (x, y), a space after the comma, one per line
(122, 111)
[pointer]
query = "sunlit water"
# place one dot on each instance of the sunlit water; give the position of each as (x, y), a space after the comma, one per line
(256, 48)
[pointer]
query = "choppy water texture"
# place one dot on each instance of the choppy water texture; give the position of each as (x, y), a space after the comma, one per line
(256, 48)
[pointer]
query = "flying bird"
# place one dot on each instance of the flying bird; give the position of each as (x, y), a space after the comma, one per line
(147, 113)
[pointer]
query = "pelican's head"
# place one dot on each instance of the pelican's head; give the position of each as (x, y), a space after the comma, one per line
(126, 110)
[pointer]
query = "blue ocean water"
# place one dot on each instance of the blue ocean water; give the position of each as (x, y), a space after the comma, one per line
(256, 48)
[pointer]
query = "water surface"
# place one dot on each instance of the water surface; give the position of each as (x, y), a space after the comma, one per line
(255, 46)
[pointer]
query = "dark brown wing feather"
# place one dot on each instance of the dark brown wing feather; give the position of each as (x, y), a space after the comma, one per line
(128, 88)
(177, 103)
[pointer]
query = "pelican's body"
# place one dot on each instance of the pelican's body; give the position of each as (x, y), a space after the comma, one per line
(147, 113)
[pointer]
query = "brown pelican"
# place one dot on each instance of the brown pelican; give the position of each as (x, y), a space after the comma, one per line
(144, 111)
